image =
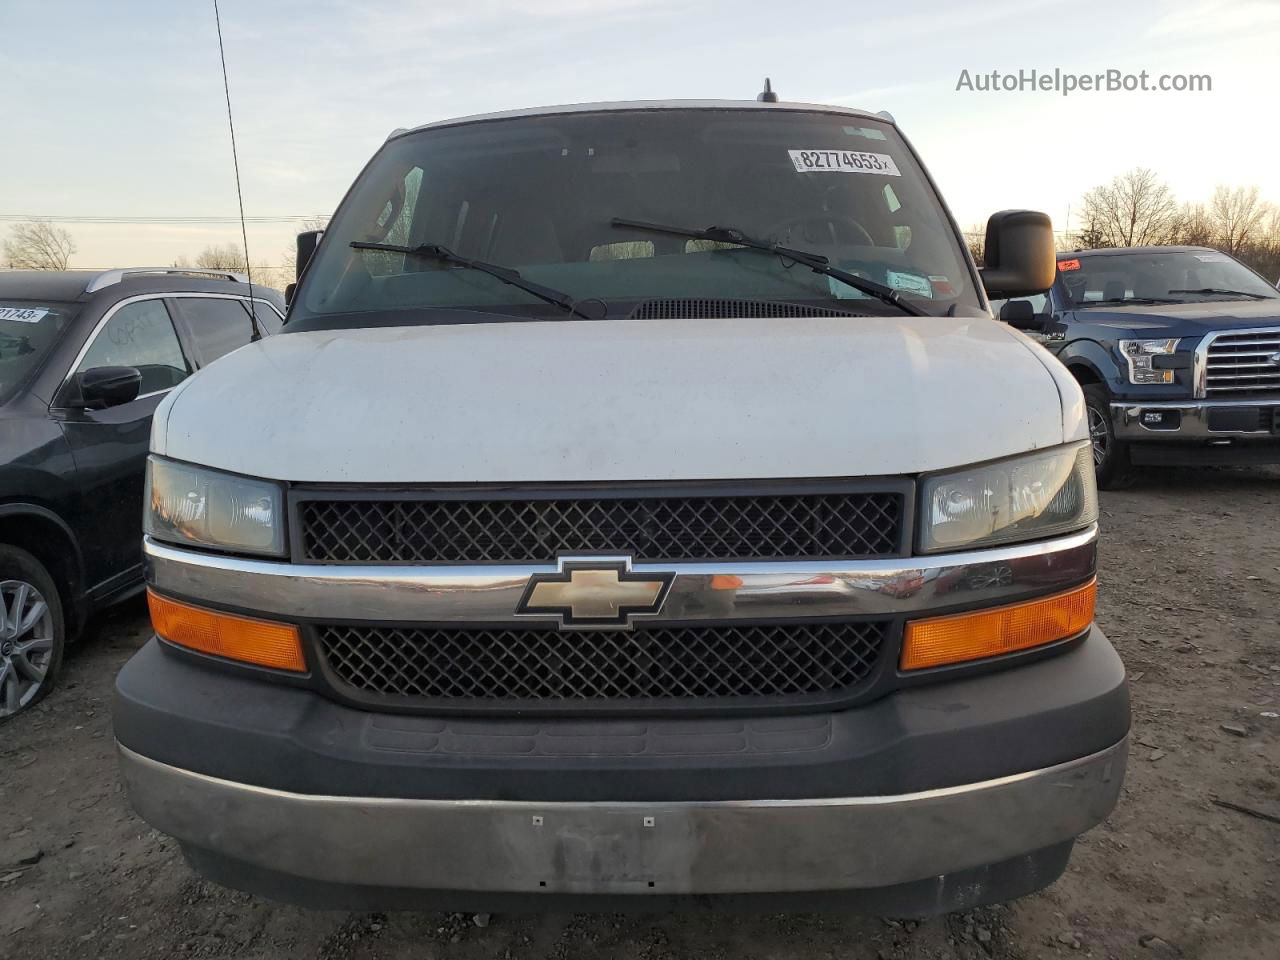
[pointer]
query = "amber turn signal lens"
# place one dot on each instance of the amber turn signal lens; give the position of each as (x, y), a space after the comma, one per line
(995, 631)
(261, 642)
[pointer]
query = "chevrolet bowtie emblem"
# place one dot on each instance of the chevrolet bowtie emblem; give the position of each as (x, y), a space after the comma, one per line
(588, 592)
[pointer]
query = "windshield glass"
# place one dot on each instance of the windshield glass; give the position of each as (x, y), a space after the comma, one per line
(28, 330)
(539, 195)
(1179, 276)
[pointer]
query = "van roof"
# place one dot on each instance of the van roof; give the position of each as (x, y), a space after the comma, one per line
(627, 105)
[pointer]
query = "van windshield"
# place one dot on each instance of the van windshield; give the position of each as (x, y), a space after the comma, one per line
(539, 195)
(28, 331)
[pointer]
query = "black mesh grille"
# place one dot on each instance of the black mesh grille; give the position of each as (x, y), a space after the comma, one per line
(662, 664)
(715, 309)
(778, 527)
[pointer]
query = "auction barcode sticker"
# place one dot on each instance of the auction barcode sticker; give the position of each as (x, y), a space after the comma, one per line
(22, 314)
(843, 161)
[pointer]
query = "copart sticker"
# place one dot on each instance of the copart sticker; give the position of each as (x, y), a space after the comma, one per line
(1066, 266)
(22, 314)
(1212, 257)
(910, 282)
(843, 161)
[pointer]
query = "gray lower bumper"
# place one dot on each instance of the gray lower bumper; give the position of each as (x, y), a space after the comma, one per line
(704, 847)
(1196, 420)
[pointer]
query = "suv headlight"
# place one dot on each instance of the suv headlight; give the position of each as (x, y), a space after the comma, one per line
(1023, 498)
(1139, 353)
(208, 508)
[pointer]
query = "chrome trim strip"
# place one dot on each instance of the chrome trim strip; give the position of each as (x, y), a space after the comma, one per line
(733, 846)
(701, 592)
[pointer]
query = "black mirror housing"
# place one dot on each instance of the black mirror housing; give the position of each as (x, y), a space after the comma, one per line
(1020, 256)
(1021, 315)
(102, 387)
(307, 242)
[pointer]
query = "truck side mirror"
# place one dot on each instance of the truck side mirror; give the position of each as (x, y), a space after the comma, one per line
(102, 387)
(307, 242)
(1021, 315)
(1019, 254)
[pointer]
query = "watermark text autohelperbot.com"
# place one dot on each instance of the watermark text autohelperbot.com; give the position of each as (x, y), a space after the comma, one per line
(1065, 82)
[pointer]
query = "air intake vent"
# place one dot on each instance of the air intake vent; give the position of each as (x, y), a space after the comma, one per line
(700, 309)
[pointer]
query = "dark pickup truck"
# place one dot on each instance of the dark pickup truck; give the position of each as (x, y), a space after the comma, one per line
(1177, 349)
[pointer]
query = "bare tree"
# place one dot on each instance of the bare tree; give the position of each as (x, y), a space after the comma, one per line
(224, 256)
(1195, 226)
(976, 239)
(38, 245)
(1134, 209)
(1237, 217)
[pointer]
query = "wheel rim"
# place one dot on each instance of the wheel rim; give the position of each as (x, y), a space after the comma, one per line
(1099, 435)
(26, 644)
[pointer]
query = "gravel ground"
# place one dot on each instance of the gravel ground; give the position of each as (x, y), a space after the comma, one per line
(1190, 596)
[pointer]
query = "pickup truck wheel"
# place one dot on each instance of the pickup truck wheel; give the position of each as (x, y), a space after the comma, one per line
(1110, 456)
(32, 631)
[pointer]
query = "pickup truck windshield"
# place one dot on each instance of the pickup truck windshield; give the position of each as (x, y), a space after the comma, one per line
(539, 195)
(28, 330)
(1178, 276)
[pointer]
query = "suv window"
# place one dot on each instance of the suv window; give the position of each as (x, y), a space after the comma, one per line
(140, 335)
(216, 325)
(269, 321)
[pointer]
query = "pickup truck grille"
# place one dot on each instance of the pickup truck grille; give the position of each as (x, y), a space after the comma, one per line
(651, 667)
(1241, 364)
(782, 524)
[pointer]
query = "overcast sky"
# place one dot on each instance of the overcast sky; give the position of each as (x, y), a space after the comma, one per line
(116, 109)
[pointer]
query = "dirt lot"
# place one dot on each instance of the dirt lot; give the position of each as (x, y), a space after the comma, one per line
(1191, 597)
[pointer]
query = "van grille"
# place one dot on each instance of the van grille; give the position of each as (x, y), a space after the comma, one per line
(1241, 364)
(349, 528)
(652, 666)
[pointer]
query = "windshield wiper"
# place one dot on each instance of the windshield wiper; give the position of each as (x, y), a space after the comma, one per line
(1223, 290)
(1096, 303)
(814, 261)
(433, 251)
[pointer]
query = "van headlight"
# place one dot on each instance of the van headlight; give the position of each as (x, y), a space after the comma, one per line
(208, 508)
(1023, 498)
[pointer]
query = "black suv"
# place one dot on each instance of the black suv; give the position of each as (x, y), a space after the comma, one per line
(1177, 349)
(85, 359)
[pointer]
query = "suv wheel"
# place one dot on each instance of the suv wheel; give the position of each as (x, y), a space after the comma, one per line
(32, 631)
(1110, 456)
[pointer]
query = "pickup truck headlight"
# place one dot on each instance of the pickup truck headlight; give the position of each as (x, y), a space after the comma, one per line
(208, 508)
(1023, 498)
(1139, 354)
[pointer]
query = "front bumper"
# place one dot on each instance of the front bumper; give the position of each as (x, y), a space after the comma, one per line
(695, 847)
(936, 797)
(1199, 432)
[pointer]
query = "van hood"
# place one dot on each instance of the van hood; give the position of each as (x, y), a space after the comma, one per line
(620, 400)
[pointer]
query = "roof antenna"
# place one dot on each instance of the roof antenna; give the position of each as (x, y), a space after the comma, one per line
(235, 160)
(767, 95)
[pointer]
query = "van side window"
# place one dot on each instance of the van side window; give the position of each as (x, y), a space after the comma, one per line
(140, 335)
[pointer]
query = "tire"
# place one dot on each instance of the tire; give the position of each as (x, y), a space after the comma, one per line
(1110, 456)
(33, 631)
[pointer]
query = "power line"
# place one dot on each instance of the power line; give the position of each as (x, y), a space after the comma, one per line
(290, 218)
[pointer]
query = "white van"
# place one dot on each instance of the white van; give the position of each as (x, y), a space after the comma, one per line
(639, 502)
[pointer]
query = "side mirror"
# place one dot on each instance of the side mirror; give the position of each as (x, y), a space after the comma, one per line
(1021, 315)
(307, 242)
(1019, 254)
(102, 387)
(288, 293)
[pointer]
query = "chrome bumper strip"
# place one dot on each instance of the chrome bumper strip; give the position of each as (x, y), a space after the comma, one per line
(629, 847)
(700, 591)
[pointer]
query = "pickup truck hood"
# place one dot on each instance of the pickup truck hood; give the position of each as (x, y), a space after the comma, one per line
(1184, 319)
(619, 400)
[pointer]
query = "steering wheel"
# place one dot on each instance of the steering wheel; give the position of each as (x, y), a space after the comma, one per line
(831, 220)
